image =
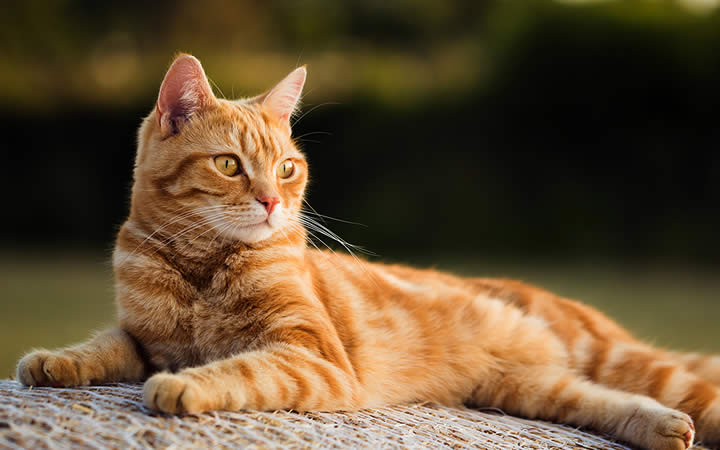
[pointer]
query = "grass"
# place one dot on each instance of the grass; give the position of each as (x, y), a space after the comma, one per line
(56, 299)
(51, 301)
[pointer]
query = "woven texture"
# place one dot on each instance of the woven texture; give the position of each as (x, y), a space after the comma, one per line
(113, 417)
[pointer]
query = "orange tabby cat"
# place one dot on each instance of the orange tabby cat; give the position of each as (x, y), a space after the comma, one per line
(223, 306)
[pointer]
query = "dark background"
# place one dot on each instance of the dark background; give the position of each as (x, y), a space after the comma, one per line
(526, 133)
(575, 130)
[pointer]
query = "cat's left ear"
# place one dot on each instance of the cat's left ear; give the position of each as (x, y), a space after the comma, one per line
(282, 100)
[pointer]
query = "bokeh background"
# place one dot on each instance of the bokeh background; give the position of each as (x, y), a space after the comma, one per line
(571, 144)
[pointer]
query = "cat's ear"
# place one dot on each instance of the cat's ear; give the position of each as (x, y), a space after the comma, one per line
(282, 100)
(184, 91)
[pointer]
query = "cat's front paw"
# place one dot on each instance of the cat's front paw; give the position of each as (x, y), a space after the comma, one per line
(174, 394)
(668, 429)
(44, 368)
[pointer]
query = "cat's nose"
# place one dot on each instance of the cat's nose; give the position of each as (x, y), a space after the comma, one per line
(269, 203)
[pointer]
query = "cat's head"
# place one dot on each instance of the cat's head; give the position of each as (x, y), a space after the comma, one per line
(228, 169)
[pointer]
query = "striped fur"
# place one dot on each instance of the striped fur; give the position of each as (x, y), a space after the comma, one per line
(218, 314)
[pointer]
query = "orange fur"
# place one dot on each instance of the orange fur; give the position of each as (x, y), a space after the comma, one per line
(223, 313)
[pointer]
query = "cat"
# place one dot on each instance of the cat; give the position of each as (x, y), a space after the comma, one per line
(221, 304)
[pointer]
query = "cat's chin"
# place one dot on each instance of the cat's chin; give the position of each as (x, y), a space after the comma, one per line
(251, 234)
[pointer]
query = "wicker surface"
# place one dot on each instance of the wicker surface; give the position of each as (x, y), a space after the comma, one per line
(114, 417)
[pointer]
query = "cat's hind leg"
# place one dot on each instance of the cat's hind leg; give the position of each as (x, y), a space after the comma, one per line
(110, 356)
(642, 370)
(702, 365)
(558, 394)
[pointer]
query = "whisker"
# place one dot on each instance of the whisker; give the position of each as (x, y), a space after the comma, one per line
(322, 216)
(309, 235)
(187, 230)
(313, 109)
(212, 223)
(172, 221)
(192, 227)
(326, 133)
(315, 237)
(222, 94)
(311, 225)
(313, 209)
(221, 232)
(327, 232)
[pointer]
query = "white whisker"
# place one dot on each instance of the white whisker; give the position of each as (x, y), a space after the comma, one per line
(322, 216)
(296, 121)
(171, 221)
(311, 225)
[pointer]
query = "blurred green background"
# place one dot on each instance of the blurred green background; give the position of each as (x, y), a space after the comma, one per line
(571, 144)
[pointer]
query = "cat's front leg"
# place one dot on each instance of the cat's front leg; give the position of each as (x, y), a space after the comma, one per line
(109, 356)
(281, 376)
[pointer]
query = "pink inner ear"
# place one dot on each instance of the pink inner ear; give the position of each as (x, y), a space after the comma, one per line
(282, 100)
(184, 90)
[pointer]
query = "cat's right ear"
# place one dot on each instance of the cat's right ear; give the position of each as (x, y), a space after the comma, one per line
(184, 91)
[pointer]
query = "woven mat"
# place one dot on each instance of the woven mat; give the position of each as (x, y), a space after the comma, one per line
(113, 417)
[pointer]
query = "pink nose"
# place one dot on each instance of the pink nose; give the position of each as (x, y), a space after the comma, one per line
(269, 203)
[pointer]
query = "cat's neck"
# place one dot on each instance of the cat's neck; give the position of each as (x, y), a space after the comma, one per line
(200, 258)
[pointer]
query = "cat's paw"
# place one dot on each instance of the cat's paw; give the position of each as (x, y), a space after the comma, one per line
(174, 394)
(44, 368)
(668, 429)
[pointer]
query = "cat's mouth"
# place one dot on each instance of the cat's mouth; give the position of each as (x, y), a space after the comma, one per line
(250, 222)
(265, 222)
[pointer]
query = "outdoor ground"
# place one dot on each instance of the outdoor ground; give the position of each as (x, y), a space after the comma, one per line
(114, 417)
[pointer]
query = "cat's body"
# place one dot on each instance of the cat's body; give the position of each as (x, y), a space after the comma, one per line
(217, 291)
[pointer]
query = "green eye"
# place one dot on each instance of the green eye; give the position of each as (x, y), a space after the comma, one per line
(227, 165)
(285, 169)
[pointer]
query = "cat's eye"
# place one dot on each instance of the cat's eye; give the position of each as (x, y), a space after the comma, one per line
(227, 165)
(285, 169)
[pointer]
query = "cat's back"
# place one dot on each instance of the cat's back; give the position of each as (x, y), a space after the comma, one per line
(395, 281)
(387, 286)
